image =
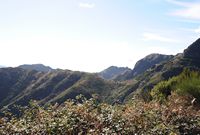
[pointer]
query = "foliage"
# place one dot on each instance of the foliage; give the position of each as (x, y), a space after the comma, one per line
(83, 116)
(163, 89)
(187, 83)
(190, 84)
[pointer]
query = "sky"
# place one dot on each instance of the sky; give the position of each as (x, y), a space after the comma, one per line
(91, 35)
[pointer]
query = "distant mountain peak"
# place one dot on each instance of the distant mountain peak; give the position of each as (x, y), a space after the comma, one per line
(155, 56)
(37, 67)
(150, 60)
(113, 71)
(140, 67)
(115, 67)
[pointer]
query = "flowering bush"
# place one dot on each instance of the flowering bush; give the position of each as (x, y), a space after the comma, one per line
(90, 117)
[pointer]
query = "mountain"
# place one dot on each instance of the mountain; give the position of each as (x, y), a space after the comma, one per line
(128, 75)
(145, 82)
(147, 62)
(143, 65)
(112, 72)
(172, 86)
(37, 67)
(19, 86)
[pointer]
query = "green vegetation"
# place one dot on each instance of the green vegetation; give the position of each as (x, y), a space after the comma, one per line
(163, 89)
(190, 84)
(83, 116)
(177, 115)
(19, 86)
(187, 83)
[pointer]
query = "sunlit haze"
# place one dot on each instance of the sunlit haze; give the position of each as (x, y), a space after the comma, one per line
(91, 35)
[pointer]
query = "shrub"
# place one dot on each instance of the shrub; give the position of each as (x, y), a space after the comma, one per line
(190, 85)
(163, 89)
(187, 83)
(90, 117)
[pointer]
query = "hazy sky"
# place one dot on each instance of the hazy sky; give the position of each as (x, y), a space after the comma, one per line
(90, 35)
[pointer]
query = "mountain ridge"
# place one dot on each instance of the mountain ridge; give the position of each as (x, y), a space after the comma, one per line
(49, 87)
(37, 67)
(169, 69)
(143, 65)
(112, 72)
(19, 86)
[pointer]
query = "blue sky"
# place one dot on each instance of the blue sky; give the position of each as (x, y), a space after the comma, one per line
(90, 35)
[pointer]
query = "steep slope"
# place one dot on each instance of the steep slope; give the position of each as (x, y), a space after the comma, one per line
(112, 72)
(173, 67)
(147, 62)
(19, 86)
(37, 67)
(193, 51)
